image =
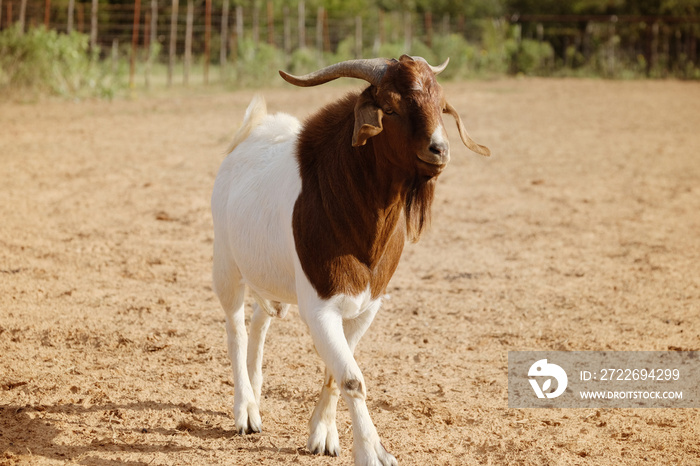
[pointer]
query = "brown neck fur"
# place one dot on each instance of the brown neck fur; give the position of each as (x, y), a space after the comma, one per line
(355, 209)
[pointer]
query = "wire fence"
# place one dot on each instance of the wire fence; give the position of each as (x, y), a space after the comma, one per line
(178, 32)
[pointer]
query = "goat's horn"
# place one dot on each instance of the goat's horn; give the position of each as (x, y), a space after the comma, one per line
(371, 70)
(436, 69)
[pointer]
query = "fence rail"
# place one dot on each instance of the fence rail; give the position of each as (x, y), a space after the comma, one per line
(184, 29)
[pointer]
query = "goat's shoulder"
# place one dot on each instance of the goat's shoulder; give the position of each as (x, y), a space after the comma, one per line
(328, 130)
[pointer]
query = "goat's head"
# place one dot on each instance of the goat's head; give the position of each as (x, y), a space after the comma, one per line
(405, 103)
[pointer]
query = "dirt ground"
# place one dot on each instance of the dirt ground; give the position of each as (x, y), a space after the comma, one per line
(580, 233)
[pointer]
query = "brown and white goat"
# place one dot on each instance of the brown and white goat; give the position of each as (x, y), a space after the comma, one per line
(317, 215)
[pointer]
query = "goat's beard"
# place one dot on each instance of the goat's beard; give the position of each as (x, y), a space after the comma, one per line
(419, 200)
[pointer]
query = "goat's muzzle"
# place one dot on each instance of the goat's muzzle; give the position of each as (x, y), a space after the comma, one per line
(438, 150)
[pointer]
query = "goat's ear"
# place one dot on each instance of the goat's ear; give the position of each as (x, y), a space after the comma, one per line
(468, 141)
(368, 120)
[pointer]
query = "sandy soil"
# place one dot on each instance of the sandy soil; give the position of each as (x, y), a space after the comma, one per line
(580, 233)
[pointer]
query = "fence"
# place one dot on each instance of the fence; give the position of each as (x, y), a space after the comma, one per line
(655, 46)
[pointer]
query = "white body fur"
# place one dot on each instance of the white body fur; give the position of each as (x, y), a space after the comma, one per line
(252, 205)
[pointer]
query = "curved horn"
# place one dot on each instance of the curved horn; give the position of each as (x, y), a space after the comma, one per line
(371, 70)
(436, 69)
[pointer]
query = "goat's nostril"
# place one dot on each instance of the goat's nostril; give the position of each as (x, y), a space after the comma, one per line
(438, 148)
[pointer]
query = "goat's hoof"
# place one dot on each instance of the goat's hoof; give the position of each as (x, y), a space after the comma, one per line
(374, 455)
(324, 440)
(325, 450)
(248, 430)
(248, 419)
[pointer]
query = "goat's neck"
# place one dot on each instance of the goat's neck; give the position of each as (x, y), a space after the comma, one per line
(348, 233)
(349, 220)
(348, 230)
(368, 202)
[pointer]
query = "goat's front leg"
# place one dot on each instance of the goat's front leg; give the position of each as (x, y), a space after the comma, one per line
(323, 437)
(326, 326)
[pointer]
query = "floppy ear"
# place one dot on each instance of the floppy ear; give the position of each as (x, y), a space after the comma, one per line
(368, 120)
(469, 142)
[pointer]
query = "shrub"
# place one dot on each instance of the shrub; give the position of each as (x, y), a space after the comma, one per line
(496, 48)
(253, 65)
(41, 61)
(461, 54)
(533, 57)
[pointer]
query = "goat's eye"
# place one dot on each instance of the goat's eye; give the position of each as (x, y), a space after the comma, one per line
(388, 111)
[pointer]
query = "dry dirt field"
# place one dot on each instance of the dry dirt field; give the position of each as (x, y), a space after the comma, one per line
(582, 232)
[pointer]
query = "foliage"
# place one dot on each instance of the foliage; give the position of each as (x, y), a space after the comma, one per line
(496, 48)
(491, 42)
(345, 50)
(480, 9)
(303, 60)
(41, 61)
(459, 51)
(533, 57)
(254, 64)
(611, 7)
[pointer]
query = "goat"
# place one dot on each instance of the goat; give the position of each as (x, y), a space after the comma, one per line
(317, 215)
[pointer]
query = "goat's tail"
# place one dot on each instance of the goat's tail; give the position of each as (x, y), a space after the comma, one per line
(256, 111)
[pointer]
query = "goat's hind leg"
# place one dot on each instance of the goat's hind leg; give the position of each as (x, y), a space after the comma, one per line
(263, 312)
(259, 323)
(323, 437)
(245, 407)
